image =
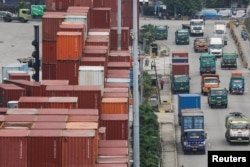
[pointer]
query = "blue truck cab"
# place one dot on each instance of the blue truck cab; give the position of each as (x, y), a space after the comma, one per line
(193, 136)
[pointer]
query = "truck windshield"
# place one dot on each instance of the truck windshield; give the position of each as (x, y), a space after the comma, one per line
(196, 23)
(229, 57)
(181, 79)
(218, 92)
(161, 28)
(237, 82)
(195, 135)
(219, 32)
(207, 59)
(211, 81)
(216, 46)
(239, 126)
(182, 33)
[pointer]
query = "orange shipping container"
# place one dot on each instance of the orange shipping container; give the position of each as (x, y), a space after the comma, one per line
(69, 45)
(236, 73)
(114, 106)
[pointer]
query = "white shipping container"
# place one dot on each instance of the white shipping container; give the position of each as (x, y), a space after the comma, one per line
(91, 75)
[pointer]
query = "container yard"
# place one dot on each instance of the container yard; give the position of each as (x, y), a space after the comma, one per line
(77, 114)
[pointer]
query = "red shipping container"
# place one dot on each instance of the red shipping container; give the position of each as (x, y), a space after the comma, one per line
(179, 54)
(52, 111)
(49, 52)
(102, 133)
(91, 47)
(21, 76)
(114, 106)
(45, 83)
(21, 111)
(9, 92)
(59, 90)
(118, 75)
(91, 30)
(111, 165)
(63, 102)
(125, 38)
(19, 118)
(119, 65)
(83, 118)
(81, 143)
(115, 95)
(89, 97)
(95, 53)
(85, 3)
(13, 144)
(48, 125)
(119, 56)
(113, 143)
(97, 41)
(121, 71)
(68, 69)
(51, 118)
(33, 102)
(94, 61)
(116, 85)
(100, 18)
(180, 68)
(50, 25)
(45, 148)
(117, 151)
(113, 19)
(115, 90)
(58, 5)
(83, 112)
(69, 45)
(78, 7)
(116, 126)
(3, 111)
(48, 71)
(112, 160)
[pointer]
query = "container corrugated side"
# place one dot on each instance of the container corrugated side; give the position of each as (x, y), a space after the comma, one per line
(114, 106)
(49, 71)
(118, 151)
(59, 90)
(100, 18)
(21, 76)
(113, 143)
(49, 52)
(125, 38)
(63, 102)
(33, 102)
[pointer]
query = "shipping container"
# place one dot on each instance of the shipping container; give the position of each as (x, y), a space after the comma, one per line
(68, 70)
(82, 126)
(96, 53)
(115, 95)
(49, 52)
(102, 133)
(119, 71)
(57, 82)
(21, 111)
(82, 143)
(49, 71)
(59, 90)
(83, 112)
(179, 54)
(48, 126)
(10, 92)
(113, 160)
(97, 41)
(45, 148)
(19, 118)
(100, 18)
(50, 25)
(119, 56)
(180, 60)
(83, 118)
(116, 85)
(180, 69)
(33, 102)
(116, 90)
(116, 126)
(69, 45)
(94, 61)
(18, 75)
(52, 111)
(78, 18)
(113, 75)
(78, 7)
(111, 165)
(89, 96)
(51, 118)
(113, 144)
(119, 65)
(125, 38)
(117, 151)
(3, 111)
(85, 3)
(13, 144)
(22, 67)
(62, 102)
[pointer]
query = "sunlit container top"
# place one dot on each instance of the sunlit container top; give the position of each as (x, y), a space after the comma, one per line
(23, 111)
(82, 125)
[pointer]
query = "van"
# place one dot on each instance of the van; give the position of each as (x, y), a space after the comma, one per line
(220, 31)
(216, 46)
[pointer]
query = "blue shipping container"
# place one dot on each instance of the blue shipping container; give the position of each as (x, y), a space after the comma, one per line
(179, 60)
(192, 122)
(188, 101)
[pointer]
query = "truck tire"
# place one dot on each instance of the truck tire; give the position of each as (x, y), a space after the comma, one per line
(225, 106)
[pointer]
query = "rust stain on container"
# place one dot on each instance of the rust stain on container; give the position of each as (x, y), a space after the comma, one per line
(13, 143)
(114, 106)
(116, 126)
(45, 148)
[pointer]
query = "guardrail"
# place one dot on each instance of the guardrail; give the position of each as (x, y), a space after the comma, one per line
(238, 44)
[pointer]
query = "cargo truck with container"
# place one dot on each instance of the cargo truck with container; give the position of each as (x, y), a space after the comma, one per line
(207, 63)
(195, 27)
(180, 73)
(229, 60)
(188, 101)
(237, 83)
(209, 81)
(193, 135)
(217, 97)
(237, 128)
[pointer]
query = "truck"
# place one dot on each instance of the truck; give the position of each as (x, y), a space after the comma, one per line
(218, 97)
(193, 135)
(216, 46)
(195, 27)
(236, 83)
(237, 128)
(209, 81)
(180, 80)
(161, 32)
(207, 63)
(182, 37)
(201, 44)
(220, 29)
(23, 16)
(187, 101)
(229, 60)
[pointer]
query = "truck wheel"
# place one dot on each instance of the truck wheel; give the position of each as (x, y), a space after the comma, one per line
(225, 105)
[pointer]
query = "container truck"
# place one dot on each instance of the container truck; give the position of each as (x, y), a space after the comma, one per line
(23, 16)
(161, 32)
(187, 101)
(193, 136)
(207, 63)
(237, 128)
(182, 37)
(209, 81)
(236, 83)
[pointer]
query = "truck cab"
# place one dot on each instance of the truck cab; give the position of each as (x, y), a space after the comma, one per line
(182, 37)
(220, 31)
(237, 128)
(209, 81)
(161, 32)
(180, 84)
(218, 97)
(216, 46)
(201, 44)
(197, 27)
(229, 60)
(207, 63)
(23, 16)
(237, 83)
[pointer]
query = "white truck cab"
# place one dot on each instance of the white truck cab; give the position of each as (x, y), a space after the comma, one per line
(216, 46)
(197, 27)
(220, 30)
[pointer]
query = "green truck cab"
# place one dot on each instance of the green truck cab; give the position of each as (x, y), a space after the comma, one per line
(161, 32)
(228, 60)
(237, 128)
(182, 36)
(218, 97)
(207, 63)
(180, 84)
(237, 83)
